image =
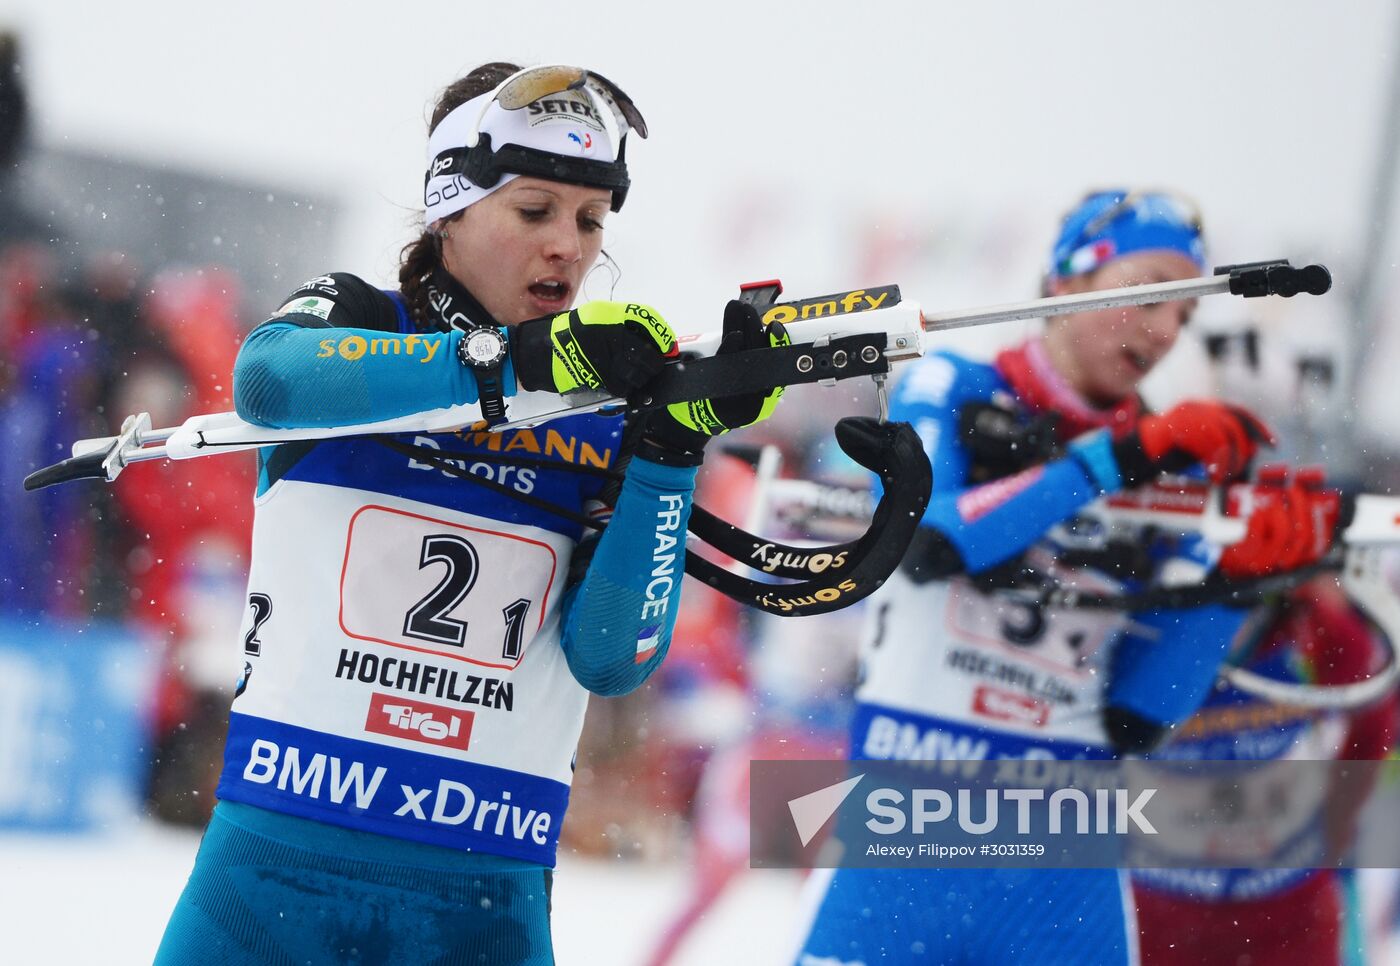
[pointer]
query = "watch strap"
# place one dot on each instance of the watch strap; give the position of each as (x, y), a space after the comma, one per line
(490, 379)
(491, 394)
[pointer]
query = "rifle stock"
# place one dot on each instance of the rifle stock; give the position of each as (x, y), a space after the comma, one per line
(842, 336)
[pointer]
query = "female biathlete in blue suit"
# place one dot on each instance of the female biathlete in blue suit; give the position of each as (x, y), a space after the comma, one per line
(952, 672)
(428, 613)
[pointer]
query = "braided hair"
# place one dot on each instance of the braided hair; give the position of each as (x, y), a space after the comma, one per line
(420, 257)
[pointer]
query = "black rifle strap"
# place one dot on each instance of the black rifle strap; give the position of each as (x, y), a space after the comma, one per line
(758, 370)
(828, 577)
(894, 451)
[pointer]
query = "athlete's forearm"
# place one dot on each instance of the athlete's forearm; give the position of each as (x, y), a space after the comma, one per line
(617, 622)
(1163, 668)
(971, 528)
(289, 376)
(982, 526)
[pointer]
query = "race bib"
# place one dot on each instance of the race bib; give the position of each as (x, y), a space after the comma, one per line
(1221, 817)
(1061, 638)
(478, 595)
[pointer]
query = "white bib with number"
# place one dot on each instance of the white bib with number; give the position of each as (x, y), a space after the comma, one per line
(945, 651)
(429, 606)
(413, 687)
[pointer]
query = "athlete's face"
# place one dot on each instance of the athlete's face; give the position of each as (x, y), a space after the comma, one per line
(1106, 353)
(524, 250)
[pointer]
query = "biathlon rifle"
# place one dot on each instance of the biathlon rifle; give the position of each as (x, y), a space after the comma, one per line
(1362, 556)
(857, 334)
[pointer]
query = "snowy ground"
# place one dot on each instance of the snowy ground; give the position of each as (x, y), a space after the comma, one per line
(126, 885)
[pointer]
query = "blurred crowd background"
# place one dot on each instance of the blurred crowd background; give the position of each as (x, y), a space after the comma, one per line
(127, 283)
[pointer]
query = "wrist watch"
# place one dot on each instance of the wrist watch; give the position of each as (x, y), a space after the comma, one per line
(483, 351)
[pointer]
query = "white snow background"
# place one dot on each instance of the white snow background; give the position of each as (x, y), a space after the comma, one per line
(785, 136)
(73, 901)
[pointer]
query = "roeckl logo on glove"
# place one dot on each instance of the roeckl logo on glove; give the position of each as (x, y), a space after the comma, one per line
(642, 314)
(702, 414)
(570, 356)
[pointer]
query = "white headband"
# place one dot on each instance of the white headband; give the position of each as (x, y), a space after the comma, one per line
(571, 123)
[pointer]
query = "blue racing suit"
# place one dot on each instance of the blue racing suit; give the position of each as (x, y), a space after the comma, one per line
(952, 671)
(417, 652)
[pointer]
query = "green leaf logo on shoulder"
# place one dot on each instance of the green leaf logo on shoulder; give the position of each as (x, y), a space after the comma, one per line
(310, 305)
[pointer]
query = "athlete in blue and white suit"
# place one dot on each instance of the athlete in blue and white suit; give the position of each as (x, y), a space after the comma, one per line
(951, 671)
(419, 647)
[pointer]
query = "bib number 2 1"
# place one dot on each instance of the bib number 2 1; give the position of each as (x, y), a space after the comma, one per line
(472, 593)
(427, 620)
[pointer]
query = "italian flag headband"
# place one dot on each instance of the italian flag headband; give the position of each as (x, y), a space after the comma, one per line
(555, 122)
(1110, 224)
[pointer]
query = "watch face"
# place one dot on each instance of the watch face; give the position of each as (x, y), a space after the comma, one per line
(484, 347)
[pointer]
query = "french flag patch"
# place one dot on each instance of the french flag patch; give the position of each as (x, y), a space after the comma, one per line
(647, 639)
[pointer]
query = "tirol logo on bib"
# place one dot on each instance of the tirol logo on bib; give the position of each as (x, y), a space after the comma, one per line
(419, 721)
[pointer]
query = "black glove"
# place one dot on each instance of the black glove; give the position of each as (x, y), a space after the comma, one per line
(678, 433)
(613, 346)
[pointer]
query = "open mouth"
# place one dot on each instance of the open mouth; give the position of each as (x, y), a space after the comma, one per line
(552, 289)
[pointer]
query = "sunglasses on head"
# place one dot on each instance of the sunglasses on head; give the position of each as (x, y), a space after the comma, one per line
(1133, 200)
(484, 165)
(526, 86)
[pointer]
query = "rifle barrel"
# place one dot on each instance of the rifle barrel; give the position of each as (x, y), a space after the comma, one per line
(1189, 288)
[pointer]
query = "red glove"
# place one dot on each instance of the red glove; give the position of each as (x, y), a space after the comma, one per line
(1291, 524)
(1216, 435)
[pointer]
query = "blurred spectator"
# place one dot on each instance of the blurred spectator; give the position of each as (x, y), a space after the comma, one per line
(18, 222)
(1311, 635)
(82, 345)
(45, 385)
(190, 524)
